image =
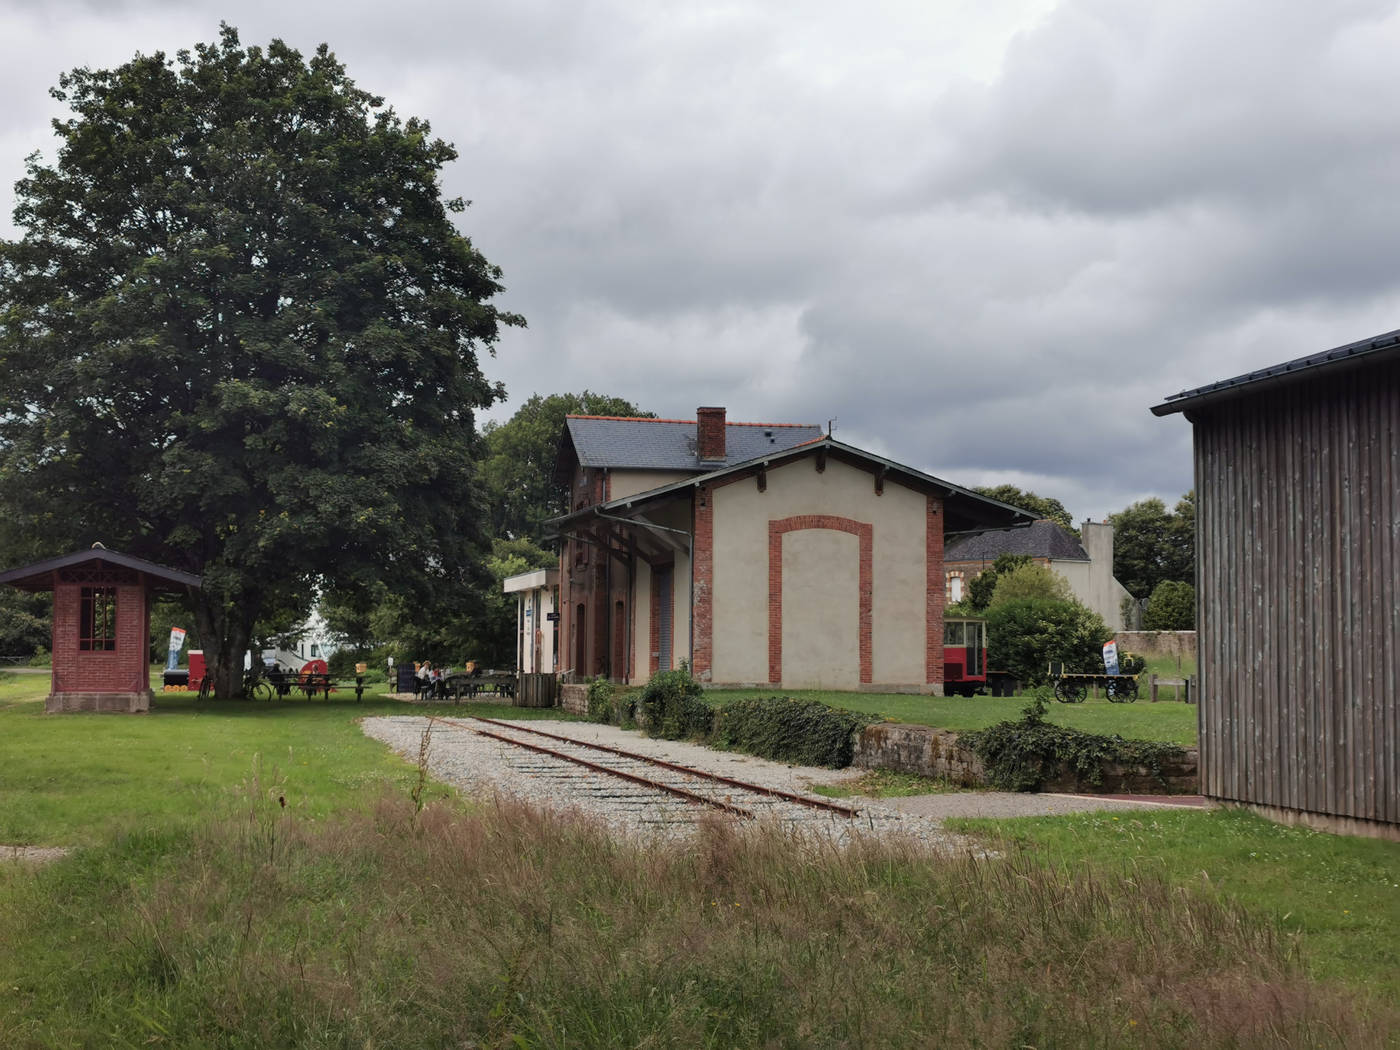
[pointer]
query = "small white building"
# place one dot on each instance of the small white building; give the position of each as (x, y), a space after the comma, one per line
(536, 620)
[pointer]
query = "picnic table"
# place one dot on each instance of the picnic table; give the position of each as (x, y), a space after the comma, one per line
(501, 683)
(310, 683)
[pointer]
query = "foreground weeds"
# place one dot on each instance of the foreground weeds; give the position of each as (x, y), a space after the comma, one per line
(503, 926)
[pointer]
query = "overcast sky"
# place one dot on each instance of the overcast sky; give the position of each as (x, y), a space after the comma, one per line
(983, 237)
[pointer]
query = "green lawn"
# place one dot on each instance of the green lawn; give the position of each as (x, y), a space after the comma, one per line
(77, 779)
(1171, 722)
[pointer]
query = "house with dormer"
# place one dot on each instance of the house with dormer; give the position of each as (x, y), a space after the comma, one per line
(757, 553)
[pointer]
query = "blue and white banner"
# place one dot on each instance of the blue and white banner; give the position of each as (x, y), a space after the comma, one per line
(177, 642)
(1110, 656)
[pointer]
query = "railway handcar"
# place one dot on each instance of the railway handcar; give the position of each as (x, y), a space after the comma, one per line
(964, 657)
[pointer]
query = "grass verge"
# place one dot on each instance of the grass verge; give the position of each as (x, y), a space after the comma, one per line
(887, 783)
(1338, 895)
(499, 926)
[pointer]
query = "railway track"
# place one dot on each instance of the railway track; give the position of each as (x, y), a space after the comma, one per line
(650, 790)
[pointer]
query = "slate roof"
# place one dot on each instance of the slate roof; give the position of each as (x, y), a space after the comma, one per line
(1340, 357)
(1043, 539)
(964, 509)
(669, 444)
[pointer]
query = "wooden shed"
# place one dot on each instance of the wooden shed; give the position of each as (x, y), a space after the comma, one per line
(101, 626)
(1298, 550)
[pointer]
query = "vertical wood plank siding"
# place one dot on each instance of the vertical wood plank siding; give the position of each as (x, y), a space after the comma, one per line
(1299, 549)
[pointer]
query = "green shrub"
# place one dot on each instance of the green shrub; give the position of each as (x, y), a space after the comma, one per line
(1131, 663)
(600, 700)
(673, 706)
(41, 658)
(1022, 755)
(1025, 635)
(803, 732)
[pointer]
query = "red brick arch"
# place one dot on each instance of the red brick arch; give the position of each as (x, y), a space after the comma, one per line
(864, 532)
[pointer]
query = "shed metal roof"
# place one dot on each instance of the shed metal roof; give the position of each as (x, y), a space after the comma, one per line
(1363, 351)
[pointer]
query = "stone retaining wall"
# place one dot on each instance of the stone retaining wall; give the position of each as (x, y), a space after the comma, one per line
(1158, 643)
(574, 698)
(933, 752)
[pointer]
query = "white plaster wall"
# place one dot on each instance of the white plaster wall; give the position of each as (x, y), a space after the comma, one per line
(1096, 588)
(821, 610)
(1104, 593)
(622, 483)
(527, 625)
(740, 604)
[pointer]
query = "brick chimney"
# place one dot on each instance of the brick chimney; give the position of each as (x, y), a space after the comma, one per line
(709, 434)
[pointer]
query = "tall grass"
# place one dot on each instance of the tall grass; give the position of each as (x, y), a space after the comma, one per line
(505, 926)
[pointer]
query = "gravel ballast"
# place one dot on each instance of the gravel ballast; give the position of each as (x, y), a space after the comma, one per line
(479, 765)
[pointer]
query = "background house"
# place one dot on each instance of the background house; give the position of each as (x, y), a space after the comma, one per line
(1298, 544)
(758, 553)
(1086, 563)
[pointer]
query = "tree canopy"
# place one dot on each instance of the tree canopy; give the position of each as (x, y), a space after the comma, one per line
(518, 471)
(979, 590)
(1172, 607)
(1045, 506)
(1152, 544)
(241, 336)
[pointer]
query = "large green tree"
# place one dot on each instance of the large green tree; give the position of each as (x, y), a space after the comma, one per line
(1045, 506)
(1152, 544)
(240, 336)
(518, 472)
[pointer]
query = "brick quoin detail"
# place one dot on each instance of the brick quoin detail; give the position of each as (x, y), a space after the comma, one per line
(865, 533)
(933, 594)
(703, 554)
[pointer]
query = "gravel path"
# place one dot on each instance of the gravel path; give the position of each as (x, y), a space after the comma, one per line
(479, 764)
(32, 854)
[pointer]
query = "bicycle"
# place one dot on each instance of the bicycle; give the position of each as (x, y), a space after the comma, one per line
(255, 686)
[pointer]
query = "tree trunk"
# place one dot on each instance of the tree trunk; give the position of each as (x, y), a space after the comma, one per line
(225, 637)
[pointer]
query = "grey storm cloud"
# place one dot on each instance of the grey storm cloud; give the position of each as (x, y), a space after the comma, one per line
(981, 237)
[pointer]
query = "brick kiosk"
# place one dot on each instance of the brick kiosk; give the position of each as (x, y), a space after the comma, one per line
(101, 626)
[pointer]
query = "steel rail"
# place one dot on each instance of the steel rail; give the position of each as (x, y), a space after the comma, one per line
(787, 796)
(689, 796)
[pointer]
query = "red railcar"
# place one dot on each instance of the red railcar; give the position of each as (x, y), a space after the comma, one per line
(964, 657)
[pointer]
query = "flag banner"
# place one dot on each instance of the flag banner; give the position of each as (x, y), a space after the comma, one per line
(1110, 657)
